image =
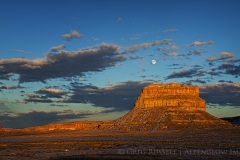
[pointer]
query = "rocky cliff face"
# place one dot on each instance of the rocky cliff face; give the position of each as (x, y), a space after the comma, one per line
(173, 96)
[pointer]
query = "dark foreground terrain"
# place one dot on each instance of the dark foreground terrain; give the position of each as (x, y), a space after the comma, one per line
(165, 144)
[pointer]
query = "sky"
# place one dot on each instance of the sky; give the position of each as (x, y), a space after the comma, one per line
(67, 60)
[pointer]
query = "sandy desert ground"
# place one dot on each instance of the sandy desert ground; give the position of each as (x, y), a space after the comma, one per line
(166, 144)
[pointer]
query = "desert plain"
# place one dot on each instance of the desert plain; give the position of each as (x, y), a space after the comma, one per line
(165, 144)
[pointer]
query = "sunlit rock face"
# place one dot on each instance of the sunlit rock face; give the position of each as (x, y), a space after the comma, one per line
(166, 106)
(173, 96)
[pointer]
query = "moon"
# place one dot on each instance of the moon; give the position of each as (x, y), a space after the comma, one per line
(153, 61)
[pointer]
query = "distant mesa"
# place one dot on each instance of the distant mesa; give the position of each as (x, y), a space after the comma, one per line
(233, 120)
(159, 106)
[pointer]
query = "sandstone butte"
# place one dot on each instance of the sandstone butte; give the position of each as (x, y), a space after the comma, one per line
(159, 106)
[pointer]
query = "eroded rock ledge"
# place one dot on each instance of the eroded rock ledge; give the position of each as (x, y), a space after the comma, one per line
(173, 96)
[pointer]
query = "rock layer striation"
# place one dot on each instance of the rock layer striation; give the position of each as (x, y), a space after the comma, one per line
(173, 96)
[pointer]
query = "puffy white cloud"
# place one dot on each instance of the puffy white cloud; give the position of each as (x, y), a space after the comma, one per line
(224, 55)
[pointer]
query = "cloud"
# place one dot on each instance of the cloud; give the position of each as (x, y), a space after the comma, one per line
(73, 34)
(230, 69)
(214, 73)
(5, 76)
(10, 87)
(4, 108)
(163, 49)
(57, 48)
(173, 54)
(222, 81)
(135, 57)
(186, 73)
(167, 47)
(63, 64)
(197, 66)
(234, 61)
(18, 50)
(224, 55)
(196, 81)
(51, 92)
(211, 59)
(136, 37)
(20, 102)
(175, 66)
(199, 43)
(174, 47)
(120, 20)
(221, 94)
(166, 42)
(120, 97)
(197, 52)
(38, 118)
(134, 48)
(34, 98)
(58, 105)
(170, 30)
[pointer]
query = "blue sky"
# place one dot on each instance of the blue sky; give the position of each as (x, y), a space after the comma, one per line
(76, 60)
